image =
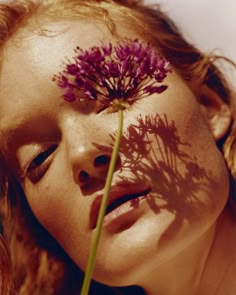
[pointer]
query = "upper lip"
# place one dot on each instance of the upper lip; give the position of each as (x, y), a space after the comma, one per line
(117, 191)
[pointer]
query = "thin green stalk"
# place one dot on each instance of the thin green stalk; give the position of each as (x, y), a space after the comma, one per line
(102, 211)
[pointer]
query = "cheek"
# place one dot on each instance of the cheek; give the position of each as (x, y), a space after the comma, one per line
(204, 167)
(173, 148)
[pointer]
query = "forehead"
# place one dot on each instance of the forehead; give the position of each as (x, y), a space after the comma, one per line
(29, 64)
(44, 53)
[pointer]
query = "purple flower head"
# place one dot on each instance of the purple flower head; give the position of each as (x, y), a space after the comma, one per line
(114, 74)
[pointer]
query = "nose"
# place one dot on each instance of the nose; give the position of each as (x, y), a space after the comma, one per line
(90, 164)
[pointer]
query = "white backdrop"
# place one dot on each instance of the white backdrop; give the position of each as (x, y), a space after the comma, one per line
(210, 24)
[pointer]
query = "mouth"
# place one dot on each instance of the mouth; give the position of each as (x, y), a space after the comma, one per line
(119, 195)
(124, 199)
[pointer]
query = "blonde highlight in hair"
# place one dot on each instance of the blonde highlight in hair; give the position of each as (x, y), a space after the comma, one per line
(39, 265)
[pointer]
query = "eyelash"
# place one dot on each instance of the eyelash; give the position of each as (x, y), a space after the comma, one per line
(40, 164)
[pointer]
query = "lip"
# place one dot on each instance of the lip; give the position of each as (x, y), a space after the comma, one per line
(118, 191)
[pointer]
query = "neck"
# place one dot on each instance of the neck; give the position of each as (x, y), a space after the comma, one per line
(182, 275)
(201, 268)
(219, 273)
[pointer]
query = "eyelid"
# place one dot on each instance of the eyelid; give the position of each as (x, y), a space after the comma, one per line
(27, 154)
(36, 171)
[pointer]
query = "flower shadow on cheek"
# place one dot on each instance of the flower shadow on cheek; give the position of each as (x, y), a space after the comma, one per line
(152, 152)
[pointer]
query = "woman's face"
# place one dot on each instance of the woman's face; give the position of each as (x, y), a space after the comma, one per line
(170, 182)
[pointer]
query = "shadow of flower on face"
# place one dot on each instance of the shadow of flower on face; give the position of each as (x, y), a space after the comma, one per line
(152, 152)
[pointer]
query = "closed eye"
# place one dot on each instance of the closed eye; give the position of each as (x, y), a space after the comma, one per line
(40, 164)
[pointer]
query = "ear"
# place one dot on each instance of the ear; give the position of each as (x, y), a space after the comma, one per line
(216, 112)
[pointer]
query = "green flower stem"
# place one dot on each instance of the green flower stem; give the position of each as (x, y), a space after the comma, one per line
(102, 210)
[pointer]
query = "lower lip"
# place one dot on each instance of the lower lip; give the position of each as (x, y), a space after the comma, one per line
(123, 213)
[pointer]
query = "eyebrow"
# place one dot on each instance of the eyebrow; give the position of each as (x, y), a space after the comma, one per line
(9, 134)
(32, 130)
(19, 133)
(14, 137)
(8, 137)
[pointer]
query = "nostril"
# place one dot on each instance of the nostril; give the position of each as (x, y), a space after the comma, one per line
(101, 161)
(83, 176)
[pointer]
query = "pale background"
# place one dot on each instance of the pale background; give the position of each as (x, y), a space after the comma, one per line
(209, 24)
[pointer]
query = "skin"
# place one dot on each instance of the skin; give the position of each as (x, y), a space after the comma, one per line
(171, 232)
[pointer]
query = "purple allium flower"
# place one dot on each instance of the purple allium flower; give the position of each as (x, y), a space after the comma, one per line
(114, 74)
